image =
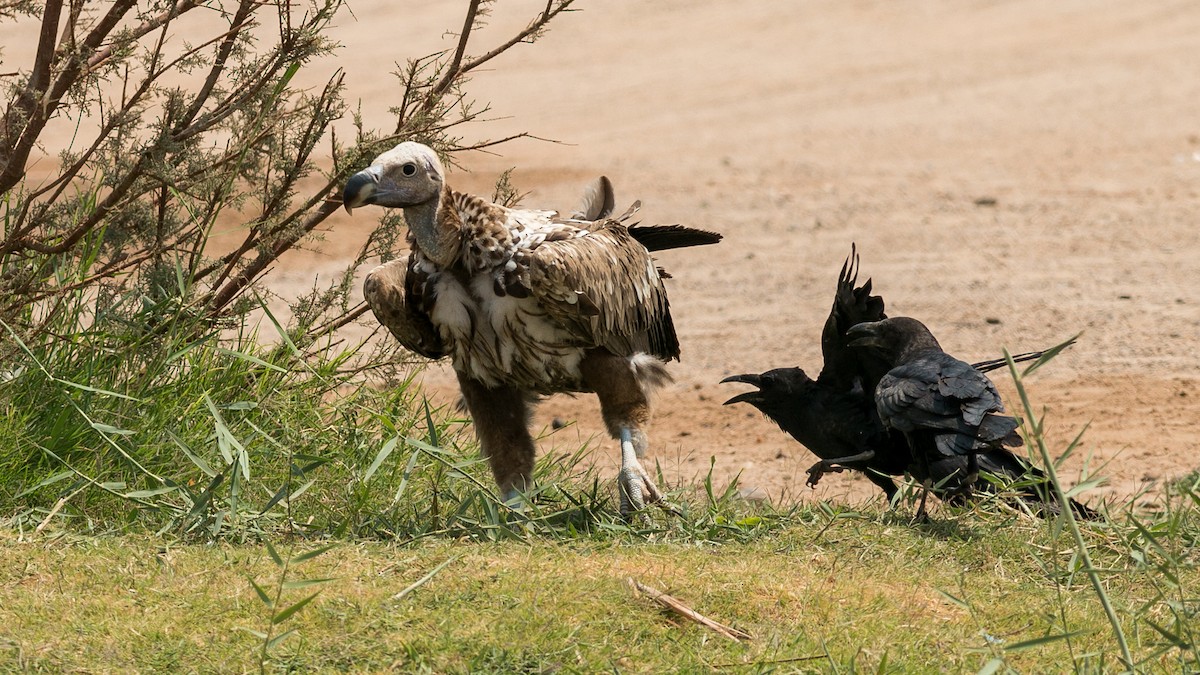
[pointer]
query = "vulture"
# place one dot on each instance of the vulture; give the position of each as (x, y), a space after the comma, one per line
(526, 304)
(946, 410)
(836, 418)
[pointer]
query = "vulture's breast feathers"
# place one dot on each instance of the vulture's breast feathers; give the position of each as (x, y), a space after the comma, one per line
(530, 293)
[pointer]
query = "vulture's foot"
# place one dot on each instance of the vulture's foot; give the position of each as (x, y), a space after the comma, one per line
(634, 482)
(514, 500)
(816, 471)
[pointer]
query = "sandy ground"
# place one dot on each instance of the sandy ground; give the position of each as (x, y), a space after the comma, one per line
(798, 128)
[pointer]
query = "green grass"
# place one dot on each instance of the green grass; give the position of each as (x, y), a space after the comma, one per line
(165, 492)
(857, 592)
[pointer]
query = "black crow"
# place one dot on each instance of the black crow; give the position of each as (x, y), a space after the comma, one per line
(947, 410)
(835, 416)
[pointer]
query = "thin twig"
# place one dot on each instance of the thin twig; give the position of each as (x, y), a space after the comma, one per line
(423, 580)
(675, 605)
(452, 72)
(533, 29)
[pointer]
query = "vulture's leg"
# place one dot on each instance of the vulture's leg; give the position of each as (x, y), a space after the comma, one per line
(622, 385)
(501, 416)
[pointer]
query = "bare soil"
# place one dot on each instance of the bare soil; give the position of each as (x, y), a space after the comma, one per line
(1012, 173)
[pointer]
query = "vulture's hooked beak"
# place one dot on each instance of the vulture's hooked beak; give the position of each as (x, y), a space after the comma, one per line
(751, 397)
(360, 189)
(865, 335)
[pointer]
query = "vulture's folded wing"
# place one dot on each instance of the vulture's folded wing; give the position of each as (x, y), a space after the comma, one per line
(399, 295)
(604, 289)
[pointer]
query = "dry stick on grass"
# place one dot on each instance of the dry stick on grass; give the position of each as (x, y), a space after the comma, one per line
(683, 610)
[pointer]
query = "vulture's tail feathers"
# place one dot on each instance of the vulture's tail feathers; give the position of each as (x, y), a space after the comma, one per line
(663, 237)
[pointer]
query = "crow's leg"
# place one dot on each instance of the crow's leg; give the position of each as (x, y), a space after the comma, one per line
(816, 471)
(501, 416)
(968, 488)
(926, 480)
(623, 384)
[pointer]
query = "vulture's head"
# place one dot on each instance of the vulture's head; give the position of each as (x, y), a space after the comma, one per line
(406, 176)
(894, 337)
(775, 389)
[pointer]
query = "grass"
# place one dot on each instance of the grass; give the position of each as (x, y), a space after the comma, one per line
(857, 592)
(175, 499)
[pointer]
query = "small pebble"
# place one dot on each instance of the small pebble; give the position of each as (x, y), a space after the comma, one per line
(753, 494)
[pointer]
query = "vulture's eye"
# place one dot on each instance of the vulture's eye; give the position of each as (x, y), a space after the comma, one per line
(408, 169)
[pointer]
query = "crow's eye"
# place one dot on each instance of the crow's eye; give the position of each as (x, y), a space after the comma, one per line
(408, 169)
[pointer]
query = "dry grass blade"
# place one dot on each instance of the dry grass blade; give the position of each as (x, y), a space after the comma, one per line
(675, 605)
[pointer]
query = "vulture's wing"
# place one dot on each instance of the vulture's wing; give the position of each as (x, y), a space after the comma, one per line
(604, 288)
(400, 296)
(597, 202)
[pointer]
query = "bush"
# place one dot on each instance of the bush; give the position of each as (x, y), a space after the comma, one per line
(130, 370)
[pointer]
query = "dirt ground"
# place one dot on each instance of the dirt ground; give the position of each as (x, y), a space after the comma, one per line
(1012, 173)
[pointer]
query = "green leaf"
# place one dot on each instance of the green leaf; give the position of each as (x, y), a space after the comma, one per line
(279, 638)
(195, 459)
(309, 555)
(273, 553)
(142, 494)
(430, 426)
(408, 469)
(262, 594)
(225, 440)
(286, 614)
(1048, 355)
(283, 492)
(380, 456)
(1038, 642)
(1171, 637)
(49, 481)
(958, 601)
(109, 429)
(250, 358)
(305, 583)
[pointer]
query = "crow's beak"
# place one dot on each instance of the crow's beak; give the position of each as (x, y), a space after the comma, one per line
(360, 190)
(865, 335)
(747, 397)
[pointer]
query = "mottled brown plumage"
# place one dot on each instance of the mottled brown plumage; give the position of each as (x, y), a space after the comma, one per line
(525, 303)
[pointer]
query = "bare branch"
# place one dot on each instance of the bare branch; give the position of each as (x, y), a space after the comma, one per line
(452, 71)
(531, 31)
